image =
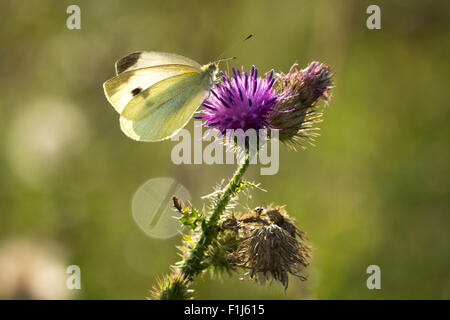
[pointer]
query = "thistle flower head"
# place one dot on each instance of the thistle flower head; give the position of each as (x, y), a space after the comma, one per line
(297, 115)
(271, 252)
(317, 80)
(242, 101)
(269, 247)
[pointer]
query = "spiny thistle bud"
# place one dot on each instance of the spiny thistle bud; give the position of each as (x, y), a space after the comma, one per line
(178, 203)
(269, 247)
(297, 115)
(171, 287)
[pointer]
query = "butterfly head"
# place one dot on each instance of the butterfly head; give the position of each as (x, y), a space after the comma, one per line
(213, 67)
(211, 70)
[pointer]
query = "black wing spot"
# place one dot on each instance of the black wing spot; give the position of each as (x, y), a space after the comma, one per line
(136, 91)
(127, 62)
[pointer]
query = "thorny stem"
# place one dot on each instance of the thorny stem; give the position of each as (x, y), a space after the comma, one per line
(193, 265)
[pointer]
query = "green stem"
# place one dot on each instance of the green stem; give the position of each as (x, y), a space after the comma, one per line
(193, 265)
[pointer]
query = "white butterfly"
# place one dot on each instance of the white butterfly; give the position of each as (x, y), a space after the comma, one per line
(157, 93)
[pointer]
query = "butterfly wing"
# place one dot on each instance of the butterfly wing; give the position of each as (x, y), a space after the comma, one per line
(145, 59)
(121, 89)
(160, 111)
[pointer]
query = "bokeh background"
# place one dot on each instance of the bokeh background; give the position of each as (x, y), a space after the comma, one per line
(375, 189)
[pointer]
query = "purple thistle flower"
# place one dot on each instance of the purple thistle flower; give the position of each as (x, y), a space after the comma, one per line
(243, 101)
(317, 81)
(297, 116)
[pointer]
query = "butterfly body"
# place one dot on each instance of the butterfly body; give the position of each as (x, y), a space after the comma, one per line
(157, 93)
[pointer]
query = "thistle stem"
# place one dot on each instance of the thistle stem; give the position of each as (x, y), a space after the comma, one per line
(194, 264)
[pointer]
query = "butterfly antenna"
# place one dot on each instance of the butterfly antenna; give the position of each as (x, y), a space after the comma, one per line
(231, 48)
(225, 59)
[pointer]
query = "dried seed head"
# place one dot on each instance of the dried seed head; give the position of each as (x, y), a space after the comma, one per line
(270, 251)
(269, 247)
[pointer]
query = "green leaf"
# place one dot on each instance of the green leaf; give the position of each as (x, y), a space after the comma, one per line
(191, 218)
(248, 184)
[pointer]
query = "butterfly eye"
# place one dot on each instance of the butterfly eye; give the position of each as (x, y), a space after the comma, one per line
(212, 68)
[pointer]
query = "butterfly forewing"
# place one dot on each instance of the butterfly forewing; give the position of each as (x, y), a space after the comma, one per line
(144, 59)
(121, 89)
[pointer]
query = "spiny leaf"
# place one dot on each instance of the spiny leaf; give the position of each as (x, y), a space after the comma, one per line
(191, 218)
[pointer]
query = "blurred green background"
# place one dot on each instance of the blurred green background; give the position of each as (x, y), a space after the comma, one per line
(375, 189)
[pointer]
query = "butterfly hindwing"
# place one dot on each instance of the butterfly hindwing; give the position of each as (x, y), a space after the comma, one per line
(162, 110)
